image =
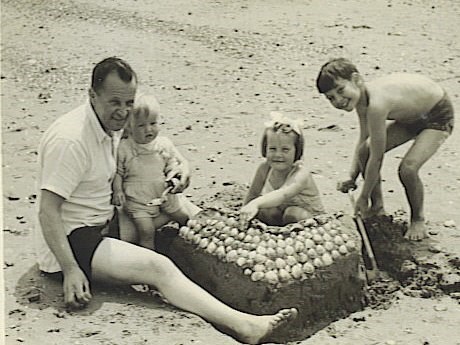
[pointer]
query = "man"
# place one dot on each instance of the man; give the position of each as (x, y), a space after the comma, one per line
(77, 165)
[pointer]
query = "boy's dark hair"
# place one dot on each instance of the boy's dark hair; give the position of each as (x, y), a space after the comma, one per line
(107, 66)
(299, 142)
(333, 69)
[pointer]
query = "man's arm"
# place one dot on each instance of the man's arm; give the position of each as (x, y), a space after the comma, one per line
(76, 286)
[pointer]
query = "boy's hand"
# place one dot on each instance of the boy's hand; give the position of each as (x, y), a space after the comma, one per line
(362, 206)
(346, 186)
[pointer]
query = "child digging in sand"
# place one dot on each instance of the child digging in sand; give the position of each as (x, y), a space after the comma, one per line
(392, 110)
(283, 190)
(144, 161)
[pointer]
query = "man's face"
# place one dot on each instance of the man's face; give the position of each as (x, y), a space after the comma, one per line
(345, 95)
(114, 102)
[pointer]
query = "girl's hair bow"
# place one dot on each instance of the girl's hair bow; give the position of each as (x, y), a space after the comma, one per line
(280, 122)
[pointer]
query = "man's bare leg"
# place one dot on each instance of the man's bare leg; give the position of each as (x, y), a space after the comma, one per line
(123, 262)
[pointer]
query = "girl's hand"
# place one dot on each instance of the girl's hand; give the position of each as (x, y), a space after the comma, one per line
(247, 212)
(118, 198)
(347, 185)
(362, 206)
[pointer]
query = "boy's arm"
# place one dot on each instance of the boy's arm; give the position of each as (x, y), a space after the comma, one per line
(355, 169)
(257, 182)
(377, 144)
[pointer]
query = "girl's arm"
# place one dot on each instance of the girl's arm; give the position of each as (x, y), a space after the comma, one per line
(257, 182)
(277, 197)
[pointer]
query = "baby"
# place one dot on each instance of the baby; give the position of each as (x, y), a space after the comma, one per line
(146, 178)
(283, 190)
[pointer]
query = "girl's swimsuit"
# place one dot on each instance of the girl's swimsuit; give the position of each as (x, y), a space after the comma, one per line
(308, 198)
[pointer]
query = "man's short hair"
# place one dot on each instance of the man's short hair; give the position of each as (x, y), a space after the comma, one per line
(333, 69)
(109, 65)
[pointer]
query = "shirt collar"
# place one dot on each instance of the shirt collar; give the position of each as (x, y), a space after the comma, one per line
(101, 135)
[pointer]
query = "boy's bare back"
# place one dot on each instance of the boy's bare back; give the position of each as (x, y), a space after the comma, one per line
(404, 97)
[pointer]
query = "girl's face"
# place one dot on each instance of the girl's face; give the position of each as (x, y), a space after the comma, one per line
(145, 128)
(280, 150)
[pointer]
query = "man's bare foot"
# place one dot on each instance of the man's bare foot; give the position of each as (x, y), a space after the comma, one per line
(416, 231)
(259, 327)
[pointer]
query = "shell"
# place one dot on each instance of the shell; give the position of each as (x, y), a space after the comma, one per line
(290, 260)
(211, 247)
(320, 249)
(256, 276)
(204, 243)
(317, 262)
(318, 239)
(232, 256)
(338, 240)
(327, 259)
(289, 250)
(309, 243)
(183, 230)
(259, 268)
(329, 246)
(343, 249)
(350, 245)
(308, 268)
(270, 264)
(302, 258)
(312, 253)
(335, 254)
(247, 271)
(260, 259)
(241, 261)
(272, 277)
(284, 275)
(280, 263)
(296, 271)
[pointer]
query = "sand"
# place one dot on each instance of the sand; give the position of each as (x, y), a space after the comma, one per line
(218, 69)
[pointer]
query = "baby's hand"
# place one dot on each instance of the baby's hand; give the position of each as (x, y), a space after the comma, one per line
(346, 186)
(118, 198)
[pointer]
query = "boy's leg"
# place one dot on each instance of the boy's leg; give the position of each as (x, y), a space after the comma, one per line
(396, 136)
(123, 262)
(423, 148)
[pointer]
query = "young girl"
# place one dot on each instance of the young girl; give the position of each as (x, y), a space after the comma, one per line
(283, 190)
(144, 161)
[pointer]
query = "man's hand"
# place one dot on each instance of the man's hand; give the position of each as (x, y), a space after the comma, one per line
(180, 179)
(247, 212)
(346, 186)
(76, 288)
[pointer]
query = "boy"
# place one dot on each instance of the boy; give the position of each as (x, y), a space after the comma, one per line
(419, 109)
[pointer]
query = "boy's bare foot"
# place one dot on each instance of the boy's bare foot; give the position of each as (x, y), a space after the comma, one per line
(416, 231)
(375, 211)
(259, 327)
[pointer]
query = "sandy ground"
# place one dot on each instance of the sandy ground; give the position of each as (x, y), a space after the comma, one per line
(218, 69)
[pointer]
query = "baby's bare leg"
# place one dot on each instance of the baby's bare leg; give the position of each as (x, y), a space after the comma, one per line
(146, 229)
(425, 145)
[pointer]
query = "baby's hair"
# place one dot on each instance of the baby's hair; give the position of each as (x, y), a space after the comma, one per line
(333, 69)
(145, 105)
(283, 128)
